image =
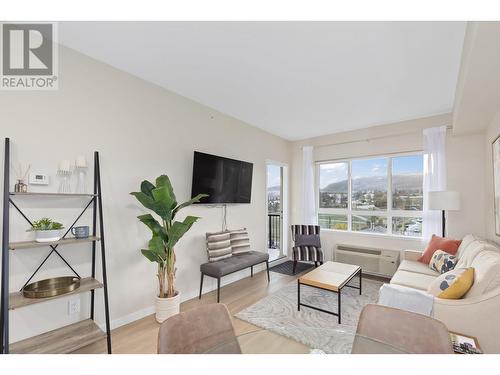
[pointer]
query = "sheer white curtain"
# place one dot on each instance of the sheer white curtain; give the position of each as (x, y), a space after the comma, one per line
(434, 177)
(309, 215)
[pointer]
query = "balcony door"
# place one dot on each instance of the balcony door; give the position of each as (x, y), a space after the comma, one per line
(276, 210)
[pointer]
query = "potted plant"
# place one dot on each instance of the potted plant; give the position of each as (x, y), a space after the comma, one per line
(46, 230)
(160, 199)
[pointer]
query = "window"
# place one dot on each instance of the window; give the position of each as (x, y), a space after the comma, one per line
(375, 195)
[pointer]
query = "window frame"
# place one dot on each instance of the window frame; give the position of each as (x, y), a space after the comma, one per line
(349, 212)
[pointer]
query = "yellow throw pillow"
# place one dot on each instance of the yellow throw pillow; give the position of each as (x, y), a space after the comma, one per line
(453, 284)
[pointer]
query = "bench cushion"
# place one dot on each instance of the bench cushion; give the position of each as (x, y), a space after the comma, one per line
(235, 263)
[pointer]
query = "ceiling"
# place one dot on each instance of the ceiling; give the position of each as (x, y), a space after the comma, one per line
(293, 79)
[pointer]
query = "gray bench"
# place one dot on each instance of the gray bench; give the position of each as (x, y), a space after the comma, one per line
(233, 264)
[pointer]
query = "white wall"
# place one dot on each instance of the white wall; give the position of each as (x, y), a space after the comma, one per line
(492, 132)
(465, 158)
(141, 131)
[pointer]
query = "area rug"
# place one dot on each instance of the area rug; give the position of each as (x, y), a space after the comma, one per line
(286, 268)
(317, 330)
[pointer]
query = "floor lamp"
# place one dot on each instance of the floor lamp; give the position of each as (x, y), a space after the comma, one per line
(444, 201)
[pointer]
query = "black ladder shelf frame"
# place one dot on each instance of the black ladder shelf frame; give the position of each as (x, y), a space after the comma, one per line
(96, 202)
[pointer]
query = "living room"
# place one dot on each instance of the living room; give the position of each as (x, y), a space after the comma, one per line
(252, 187)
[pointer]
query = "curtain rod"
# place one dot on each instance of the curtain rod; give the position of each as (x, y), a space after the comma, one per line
(448, 127)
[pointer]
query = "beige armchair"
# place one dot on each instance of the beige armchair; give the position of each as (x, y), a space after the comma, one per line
(197, 331)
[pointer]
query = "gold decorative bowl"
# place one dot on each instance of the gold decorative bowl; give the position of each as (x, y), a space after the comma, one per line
(51, 287)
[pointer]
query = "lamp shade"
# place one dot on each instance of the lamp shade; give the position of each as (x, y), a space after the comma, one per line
(444, 200)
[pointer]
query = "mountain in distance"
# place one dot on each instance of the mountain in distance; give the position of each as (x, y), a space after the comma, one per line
(273, 191)
(406, 182)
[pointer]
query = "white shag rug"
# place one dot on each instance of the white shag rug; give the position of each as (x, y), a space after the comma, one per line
(278, 313)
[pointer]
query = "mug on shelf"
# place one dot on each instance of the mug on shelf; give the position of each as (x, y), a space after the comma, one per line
(80, 232)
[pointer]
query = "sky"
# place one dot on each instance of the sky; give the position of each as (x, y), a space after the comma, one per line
(273, 175)
(370, 167)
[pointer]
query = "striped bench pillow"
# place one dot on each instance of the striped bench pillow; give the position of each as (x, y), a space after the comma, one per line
(240, 242)
(218, 246)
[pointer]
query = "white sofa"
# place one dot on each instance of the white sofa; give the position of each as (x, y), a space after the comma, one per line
(478, 312)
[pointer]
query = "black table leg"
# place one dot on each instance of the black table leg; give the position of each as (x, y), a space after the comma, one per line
(360, 277)
(298, 295)
(340, 312)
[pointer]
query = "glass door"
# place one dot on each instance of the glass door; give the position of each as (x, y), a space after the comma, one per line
(275, 210)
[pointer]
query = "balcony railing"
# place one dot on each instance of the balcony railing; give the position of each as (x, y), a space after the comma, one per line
(274, 231)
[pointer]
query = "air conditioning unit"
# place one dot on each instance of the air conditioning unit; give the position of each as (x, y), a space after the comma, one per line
(375, 261)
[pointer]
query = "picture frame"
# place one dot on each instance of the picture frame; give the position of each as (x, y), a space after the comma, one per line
(496, 182)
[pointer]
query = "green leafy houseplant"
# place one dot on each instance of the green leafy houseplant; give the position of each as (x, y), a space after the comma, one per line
(45, 224)
(160, 199)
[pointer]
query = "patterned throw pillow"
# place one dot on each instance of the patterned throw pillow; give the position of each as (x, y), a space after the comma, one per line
(218, 246)
(240, 242)
(453, 284)
(442, 262)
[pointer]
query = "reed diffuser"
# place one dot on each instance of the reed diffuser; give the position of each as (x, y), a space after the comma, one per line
(21, 174)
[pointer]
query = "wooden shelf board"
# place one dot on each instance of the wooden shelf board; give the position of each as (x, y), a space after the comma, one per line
(62, 340)
(53, 194)
(17, 300)
(32, 244)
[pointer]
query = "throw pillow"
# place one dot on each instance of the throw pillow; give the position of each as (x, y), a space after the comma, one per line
(307, 240)
(218, 246)
(442, 262)
(439, 243)
(240, 243)
(453, 284)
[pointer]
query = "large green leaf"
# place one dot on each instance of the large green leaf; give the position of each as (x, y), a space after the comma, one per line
(152, 256)
(164, 181)
(146, 187)
(158, 207)
(178, 230)
(188, 203)
(154, 225)
(164, 200)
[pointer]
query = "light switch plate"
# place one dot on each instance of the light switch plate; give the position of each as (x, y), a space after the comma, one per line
(38, 179)
(73, 306)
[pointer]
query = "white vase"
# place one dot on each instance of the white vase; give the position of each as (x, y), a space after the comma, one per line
(167, 307)
(47, 235)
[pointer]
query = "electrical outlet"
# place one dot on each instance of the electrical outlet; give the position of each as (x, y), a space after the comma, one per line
(73, 306)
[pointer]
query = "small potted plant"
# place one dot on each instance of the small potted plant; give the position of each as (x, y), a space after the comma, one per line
(46, 230)
(160, 199)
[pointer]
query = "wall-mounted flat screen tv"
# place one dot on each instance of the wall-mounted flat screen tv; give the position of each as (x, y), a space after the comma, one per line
(224, 180)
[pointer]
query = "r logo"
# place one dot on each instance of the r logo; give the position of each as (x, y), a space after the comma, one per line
(27, 49)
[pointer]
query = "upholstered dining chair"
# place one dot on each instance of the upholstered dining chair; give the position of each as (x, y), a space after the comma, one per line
(307, 245)
(197, 331)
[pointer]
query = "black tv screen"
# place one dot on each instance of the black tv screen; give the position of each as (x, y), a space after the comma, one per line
(224, 180)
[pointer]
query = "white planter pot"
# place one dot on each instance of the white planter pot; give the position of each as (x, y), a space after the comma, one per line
(47, 235)
(167, 307)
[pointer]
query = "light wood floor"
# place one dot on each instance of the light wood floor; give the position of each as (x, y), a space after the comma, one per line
(140, 337)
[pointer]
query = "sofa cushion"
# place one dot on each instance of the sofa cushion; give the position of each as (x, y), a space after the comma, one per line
(417, 267)
(472, 250)
(487, 273)
(439, 243)
(442, 261)
(453, 284)
(412, 279)
(466, 242)
(235, 263)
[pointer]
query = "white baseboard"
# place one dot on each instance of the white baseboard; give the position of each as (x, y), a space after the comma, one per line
(136, 315)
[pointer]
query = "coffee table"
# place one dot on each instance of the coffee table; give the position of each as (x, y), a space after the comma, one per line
(331, 276)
